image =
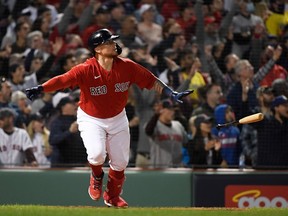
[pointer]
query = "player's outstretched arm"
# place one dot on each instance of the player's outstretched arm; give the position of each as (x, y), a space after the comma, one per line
(56, 83)
(161, 87)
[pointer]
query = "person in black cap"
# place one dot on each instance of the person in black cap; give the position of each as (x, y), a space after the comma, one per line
(167, 136)
(68, 148)
(100, 19)
(16, 148)
(248, 134)
(273, 137)
(203, 149)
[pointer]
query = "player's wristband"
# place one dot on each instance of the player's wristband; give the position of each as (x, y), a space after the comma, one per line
(40, 88)
(167, 91)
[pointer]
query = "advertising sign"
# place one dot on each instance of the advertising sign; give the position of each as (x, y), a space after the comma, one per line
(250, 196)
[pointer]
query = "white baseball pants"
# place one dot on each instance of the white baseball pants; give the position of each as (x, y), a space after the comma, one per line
(101, 136)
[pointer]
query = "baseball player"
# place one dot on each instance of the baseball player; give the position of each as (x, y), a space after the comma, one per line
(104, 81)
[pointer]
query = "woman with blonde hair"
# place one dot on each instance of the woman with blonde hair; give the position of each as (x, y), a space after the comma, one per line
(39, 135)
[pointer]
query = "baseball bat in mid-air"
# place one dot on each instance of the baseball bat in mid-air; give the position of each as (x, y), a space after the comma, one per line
(246, 120)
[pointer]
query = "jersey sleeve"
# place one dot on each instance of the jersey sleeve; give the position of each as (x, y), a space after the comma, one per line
(66, 80)
(26, 141)
(142, 77)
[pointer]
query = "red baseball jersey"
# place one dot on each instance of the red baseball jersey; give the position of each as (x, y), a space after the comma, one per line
(104, 93)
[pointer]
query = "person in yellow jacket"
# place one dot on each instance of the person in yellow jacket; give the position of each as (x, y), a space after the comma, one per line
(194, 79)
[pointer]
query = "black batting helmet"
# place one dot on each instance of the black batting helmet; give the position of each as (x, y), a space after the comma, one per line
(99, 37)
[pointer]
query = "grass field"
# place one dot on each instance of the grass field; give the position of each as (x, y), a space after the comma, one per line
(36, 210)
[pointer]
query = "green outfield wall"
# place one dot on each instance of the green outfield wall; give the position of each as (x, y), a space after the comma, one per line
(69, 187)
(147, 188)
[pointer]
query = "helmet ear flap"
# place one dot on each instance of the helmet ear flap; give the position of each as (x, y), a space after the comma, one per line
(118, 48)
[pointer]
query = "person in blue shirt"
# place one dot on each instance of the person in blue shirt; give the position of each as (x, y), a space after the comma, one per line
(228, 136)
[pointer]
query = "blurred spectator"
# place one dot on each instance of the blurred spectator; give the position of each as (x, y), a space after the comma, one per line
(167, 137)
(64, 64)
(18, 79)
(171, 9)
(4, 60)
(243, 26)
(158, 18)
(19, 101)
(39, 136)
(42, 24)
(82, 54)
(5, 92)
(21, 31)
(212, 95)
(127, 5)
(4, 19)
(227, 77)
(149, 31)
(43, 105)
(16, 146)
(129, 32)
(74, 19)
(216, 9)
(168, 75)
(36, 46)
(172, 38)
(277, 71)
(72, 43)
(144, 102)
(284, 44)
(228, 136)
(101, 19)
(203, 149)
(211, 32)
(248, 135)
(133, 125)
(280, 87)
(67, 145)
(187, 21)
(36, 8)
(37, 65)
(276, 19)
(10, 36)
(273, 137)
(140, 54)
(191, 74)
(117, 12)
(242, 96)
(191, 132)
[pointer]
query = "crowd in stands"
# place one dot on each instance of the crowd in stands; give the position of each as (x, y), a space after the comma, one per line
(232, 53)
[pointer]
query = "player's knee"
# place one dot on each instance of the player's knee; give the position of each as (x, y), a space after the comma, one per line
(119, 166)
(96, 159)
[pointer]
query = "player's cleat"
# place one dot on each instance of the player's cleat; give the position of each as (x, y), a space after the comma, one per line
(95, 188)
(117, 201)
(112, 193)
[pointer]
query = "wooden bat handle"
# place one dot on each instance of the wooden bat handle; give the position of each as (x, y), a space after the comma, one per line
(226, 124)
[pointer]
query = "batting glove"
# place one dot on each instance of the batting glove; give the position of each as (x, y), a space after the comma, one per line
(176, 96)
(34, 92)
